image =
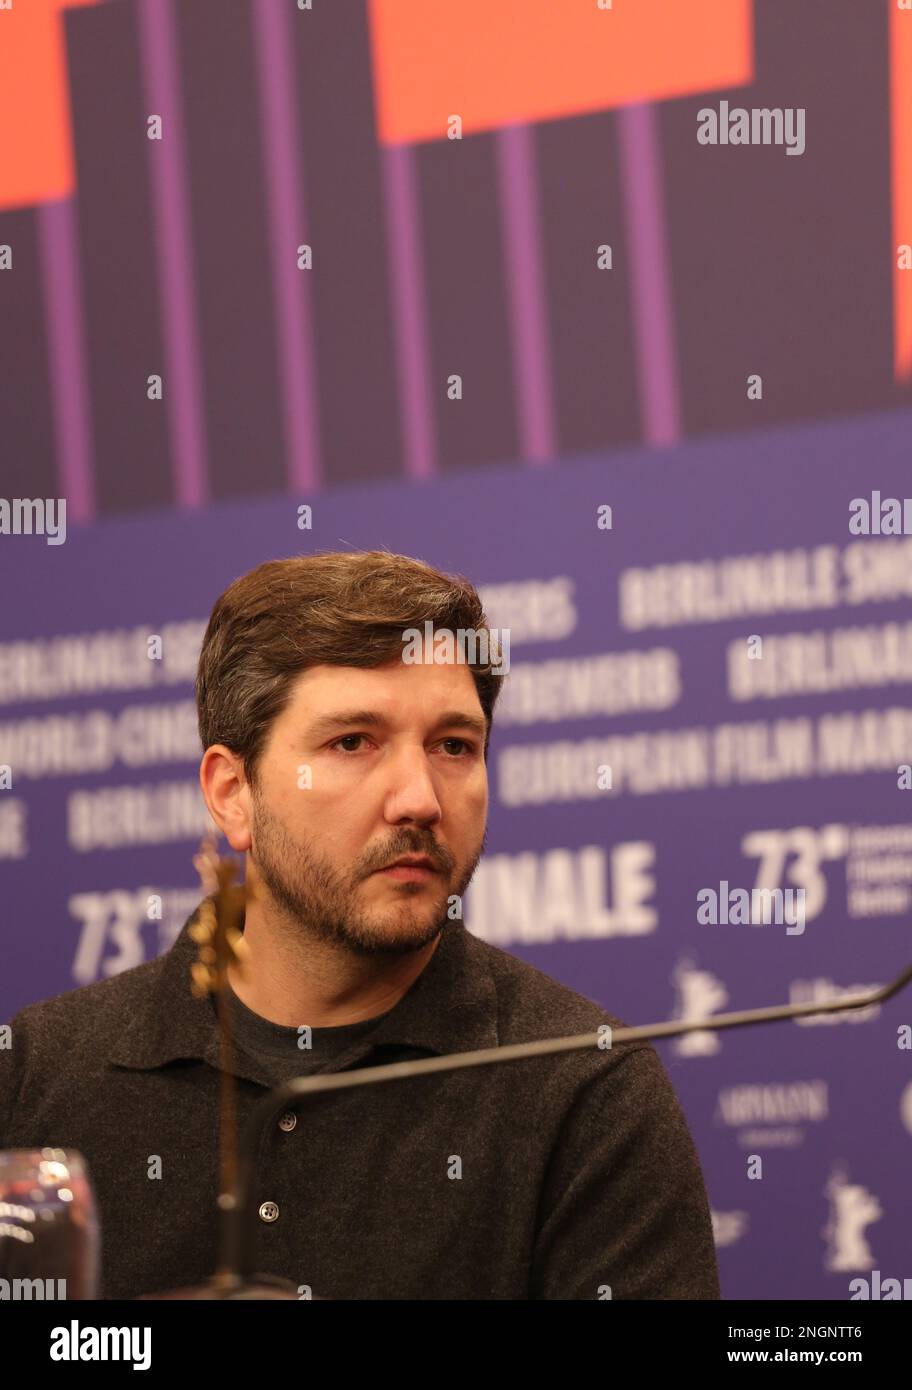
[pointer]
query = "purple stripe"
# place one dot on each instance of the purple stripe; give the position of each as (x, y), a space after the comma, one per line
(533, 383)
(65, 331)
(649, 274)
(182, 383)
(409, 307)
(291, 287)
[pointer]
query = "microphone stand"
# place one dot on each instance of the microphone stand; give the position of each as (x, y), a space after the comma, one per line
(238, 1217)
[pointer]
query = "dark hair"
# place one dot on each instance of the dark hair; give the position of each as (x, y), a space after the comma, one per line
(335, 608)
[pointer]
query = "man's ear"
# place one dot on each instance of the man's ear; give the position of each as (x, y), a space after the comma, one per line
(227, 794)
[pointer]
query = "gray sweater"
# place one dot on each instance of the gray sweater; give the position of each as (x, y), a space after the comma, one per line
(564, 1177)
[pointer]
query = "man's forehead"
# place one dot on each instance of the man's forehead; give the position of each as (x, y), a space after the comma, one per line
(323, 688)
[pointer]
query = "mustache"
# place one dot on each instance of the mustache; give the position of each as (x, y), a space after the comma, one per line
(266, 827)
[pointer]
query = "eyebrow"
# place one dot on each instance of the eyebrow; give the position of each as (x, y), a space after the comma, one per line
(343, 719)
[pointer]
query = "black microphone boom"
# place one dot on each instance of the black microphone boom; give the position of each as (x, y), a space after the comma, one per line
(239, 1228)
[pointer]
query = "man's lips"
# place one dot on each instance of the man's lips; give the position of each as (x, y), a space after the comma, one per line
(405, 869)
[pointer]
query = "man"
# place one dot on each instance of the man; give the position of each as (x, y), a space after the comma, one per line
(330, 758)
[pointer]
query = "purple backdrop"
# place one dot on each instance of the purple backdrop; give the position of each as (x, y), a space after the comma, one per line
(612, 664)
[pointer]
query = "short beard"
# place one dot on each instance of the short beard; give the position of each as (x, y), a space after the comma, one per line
(317, 901)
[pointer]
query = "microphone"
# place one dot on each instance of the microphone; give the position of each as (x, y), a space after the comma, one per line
(238, 1212)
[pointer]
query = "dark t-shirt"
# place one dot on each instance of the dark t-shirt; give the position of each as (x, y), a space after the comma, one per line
(287, 1051)
(581, 1164)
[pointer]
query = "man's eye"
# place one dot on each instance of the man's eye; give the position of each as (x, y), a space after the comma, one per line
(470, 747)
(345, 738)
(463, 743)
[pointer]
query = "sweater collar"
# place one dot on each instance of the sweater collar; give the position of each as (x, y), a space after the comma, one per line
(450, 1007)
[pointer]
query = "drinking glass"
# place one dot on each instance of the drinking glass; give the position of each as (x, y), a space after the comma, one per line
(49, 1237)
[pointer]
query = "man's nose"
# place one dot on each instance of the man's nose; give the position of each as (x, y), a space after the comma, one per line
(411, 792)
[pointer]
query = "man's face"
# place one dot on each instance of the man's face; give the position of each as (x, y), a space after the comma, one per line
(407, 776)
